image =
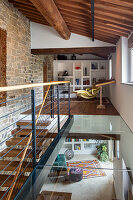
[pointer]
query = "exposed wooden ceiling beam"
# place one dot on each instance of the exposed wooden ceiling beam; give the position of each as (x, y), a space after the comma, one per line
(103, 51)
(51, 13)
(83, 17)
(40, 20)
(112, 18)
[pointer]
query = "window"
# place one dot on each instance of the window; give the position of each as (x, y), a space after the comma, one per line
(127, 61)
(131, 65)
(110, 69)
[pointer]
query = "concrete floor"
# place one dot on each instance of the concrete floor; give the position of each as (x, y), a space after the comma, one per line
(100, 188)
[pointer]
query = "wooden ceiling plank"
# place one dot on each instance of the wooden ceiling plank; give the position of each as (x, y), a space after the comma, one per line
(21, 1)
(120, 9)
(98, 36)
(80, 26)
(79, 29)
(101, 6)
(115, 32)
(23, 5)
(114, 27)
(125, 18)
(86, 12)
(83, 17)
(125, 3)
(112, 19)
(51, 13)
(99, 21)
(114, 23)
(107, 19)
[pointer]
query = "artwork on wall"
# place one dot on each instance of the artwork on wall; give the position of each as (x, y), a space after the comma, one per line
(3, 36)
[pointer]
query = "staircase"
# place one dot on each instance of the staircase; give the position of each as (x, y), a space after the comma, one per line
(18, 157)
(14, 151)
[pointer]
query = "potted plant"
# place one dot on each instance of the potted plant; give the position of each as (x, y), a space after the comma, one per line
(102, 152)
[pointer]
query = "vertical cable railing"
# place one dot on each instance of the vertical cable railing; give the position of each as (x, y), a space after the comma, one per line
(36, 125)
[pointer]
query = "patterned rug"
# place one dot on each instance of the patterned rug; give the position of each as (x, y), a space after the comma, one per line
(87, 166)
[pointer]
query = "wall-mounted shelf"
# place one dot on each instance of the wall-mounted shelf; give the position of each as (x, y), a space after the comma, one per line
(86, 76)
(83, 77)
(80, 146)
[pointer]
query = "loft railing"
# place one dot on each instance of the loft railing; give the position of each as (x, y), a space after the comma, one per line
(34, 118)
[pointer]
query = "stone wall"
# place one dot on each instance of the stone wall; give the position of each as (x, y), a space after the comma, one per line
(2, 65)
(21, 66)
(37, 62)
(18, 59)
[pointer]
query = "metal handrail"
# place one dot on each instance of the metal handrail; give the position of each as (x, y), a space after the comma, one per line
(25, 151)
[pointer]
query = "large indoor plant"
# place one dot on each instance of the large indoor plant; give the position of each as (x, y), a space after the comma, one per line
(102, 152)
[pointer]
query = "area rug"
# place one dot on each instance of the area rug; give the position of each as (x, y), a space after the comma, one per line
(91, 168)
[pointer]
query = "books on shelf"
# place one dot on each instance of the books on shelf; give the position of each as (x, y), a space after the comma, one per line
(76, 140)
(77, 147)
(85, 140)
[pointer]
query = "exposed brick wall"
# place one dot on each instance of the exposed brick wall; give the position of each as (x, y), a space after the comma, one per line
(3, 36)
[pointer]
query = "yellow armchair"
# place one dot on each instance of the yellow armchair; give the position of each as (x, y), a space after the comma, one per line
(89, 93)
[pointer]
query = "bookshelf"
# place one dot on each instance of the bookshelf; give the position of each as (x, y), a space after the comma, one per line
(80, 146)
(81, 73)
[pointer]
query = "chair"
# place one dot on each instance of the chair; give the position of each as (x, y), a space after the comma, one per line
(89, 93)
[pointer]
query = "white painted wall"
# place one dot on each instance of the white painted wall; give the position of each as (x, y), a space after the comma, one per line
(46, 37)
(121, 95)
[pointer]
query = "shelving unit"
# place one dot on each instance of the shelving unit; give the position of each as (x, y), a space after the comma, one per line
(81, 73)
(80, 146)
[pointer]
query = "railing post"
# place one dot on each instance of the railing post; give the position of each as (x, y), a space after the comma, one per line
(51, 94)
(69, 99)
(58, 108)
(33, 127)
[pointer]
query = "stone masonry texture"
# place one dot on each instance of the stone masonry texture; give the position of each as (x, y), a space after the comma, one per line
(21, 67)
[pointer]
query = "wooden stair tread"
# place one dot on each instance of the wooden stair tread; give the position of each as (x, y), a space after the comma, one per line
(24, 132)
(15, 152)
(15, 141)
(8, 183)
(5, 197)
(29, 122)
(12, 165)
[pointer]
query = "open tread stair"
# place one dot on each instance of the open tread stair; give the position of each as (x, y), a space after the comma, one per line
(25, 132)
(13, 150)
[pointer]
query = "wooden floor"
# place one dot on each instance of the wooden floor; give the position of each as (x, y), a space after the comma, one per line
(80, 107)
